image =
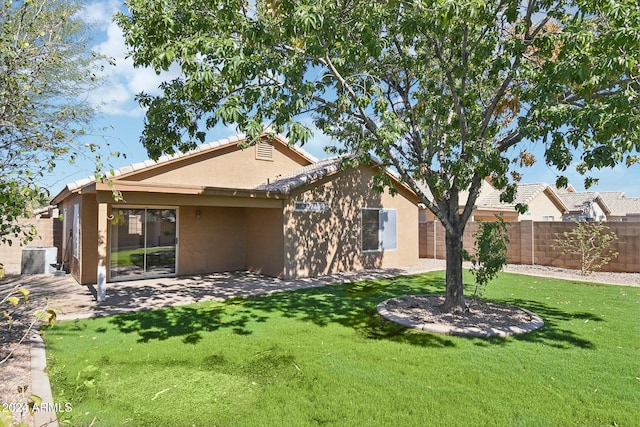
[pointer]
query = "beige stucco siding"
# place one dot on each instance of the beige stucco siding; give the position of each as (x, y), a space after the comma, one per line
(229, 167)
(82, 264)
(89, 239)
(264, 241)
(326, 242)
(211, 240)
(540, 207)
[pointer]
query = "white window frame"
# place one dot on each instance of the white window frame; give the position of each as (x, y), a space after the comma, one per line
(387, 235)
(76, 230)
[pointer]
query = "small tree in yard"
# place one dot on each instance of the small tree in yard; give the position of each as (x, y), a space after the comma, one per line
(590, 241)
(446, 92)
(490, 253)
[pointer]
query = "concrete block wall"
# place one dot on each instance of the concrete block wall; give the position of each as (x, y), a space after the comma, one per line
(531, 243)
(627, 246)
(11, 255)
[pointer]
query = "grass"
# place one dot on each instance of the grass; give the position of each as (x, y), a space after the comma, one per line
(129, 257)
(322, 357)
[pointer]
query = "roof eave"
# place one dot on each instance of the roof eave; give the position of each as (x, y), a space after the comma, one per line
(146, 187)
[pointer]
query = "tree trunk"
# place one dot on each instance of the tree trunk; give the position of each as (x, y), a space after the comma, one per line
(454, 300)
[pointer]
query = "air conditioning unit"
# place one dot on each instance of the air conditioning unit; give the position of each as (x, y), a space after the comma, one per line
(39, 260)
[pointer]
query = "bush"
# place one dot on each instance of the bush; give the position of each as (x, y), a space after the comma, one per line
(490, 255)
(589, 240)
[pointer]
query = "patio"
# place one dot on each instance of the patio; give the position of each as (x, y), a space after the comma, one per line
(74, 301)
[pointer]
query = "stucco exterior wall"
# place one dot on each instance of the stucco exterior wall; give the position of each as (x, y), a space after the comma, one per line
(89, 239)
(591, 212)
(318, 243)
(229, 167)
(264, 241)
(66, 242)
(540, 207)
(210, 241)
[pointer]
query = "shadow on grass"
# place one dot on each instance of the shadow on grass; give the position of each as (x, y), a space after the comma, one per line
(553, 332)
(352, 305)
(187, 321)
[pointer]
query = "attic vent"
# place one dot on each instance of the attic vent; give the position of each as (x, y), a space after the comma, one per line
(264, 150)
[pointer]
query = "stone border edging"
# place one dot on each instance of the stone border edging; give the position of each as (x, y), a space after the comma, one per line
(40, 385)
(535, 323)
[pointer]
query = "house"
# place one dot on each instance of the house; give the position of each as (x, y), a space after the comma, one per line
(270, 208)
(543, 204)
(584, 206)
(622, 208)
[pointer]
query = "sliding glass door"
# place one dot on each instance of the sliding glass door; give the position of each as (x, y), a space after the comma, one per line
(143, 243)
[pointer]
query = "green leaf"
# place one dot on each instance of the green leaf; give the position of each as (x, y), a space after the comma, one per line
(6, 417)
(25, 294)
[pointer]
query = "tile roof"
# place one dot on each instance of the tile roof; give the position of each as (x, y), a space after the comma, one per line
(577, 202)
(524, 195)
(568, 189)
(311, 173)
(489, 197)
(620, 204)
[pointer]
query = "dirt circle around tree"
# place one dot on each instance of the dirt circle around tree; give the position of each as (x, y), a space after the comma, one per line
(482, 319)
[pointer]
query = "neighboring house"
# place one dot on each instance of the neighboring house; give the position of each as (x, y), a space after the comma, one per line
(622, 208)
(269, 208)
(543, 203)
(585, 206)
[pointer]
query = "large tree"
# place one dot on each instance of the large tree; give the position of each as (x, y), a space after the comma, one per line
(444, 91)
(45, 70)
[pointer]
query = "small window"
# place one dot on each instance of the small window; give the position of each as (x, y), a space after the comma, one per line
(75, 232)
(135, 224)
(264, 150)
(548, 218)
(379, 230)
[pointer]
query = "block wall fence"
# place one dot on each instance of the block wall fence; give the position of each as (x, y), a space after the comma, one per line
(530, 243)
(48, 235)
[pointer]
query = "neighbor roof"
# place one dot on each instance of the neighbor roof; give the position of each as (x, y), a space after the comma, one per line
(524, 195)
(489, 197)
(619, 204)
(577, 202)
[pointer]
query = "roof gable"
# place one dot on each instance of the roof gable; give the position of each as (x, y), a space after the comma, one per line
(221, 163)
(578, 202)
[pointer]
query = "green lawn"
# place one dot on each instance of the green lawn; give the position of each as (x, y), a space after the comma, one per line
(322, 357)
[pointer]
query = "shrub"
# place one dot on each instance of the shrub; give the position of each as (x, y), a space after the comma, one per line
(490, 253)
(591, 241)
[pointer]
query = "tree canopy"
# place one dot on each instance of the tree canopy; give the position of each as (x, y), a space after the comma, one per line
(443, 91)
(45, 68)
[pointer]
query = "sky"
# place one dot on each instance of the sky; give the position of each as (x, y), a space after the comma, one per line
(119, 122)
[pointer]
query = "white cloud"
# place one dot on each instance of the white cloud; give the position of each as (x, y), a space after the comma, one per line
(99, 13)
(122, 81)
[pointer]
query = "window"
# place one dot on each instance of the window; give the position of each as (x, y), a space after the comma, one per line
(548, 218)
(76, 230)
(135, 224)
(379, 230)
